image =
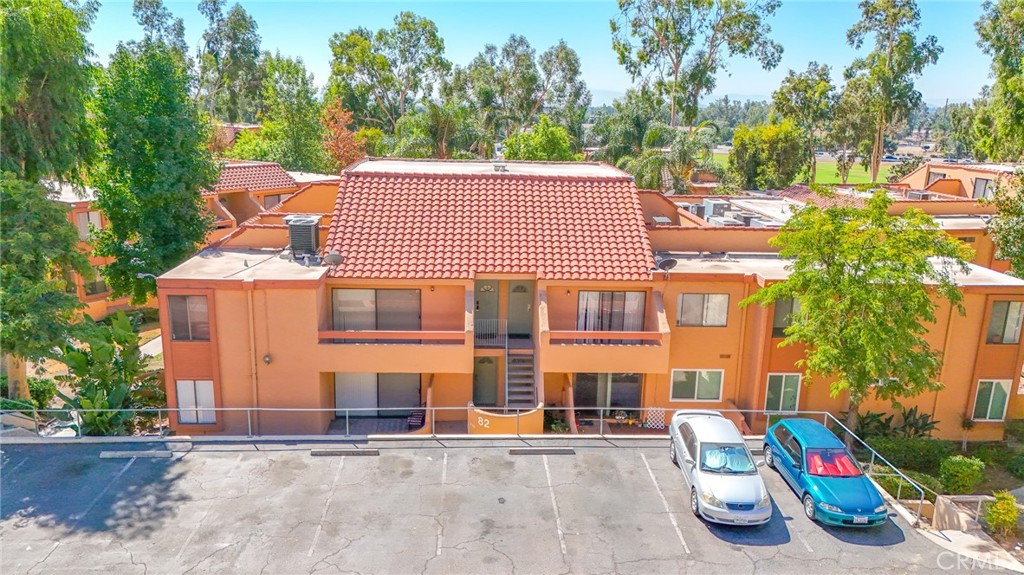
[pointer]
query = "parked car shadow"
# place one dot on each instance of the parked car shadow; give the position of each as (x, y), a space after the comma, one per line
(69, 488)
(884, 535)
(775, 532)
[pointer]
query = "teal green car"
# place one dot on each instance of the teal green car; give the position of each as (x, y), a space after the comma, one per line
(826, 477)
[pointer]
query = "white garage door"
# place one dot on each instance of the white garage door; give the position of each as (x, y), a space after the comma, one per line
(398, 390)
(355, 390)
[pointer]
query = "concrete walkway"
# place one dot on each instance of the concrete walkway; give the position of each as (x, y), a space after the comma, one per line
(153, 347)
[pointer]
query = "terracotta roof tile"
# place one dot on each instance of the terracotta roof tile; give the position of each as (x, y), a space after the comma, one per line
(400, 225)
(251, 176)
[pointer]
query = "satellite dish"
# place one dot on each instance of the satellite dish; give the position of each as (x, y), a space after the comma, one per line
(665, 263)
(334, 258)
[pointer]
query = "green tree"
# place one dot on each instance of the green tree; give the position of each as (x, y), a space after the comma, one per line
(229, 66)
(868, 284)
(850, 126)
(806, 98)
(681, 45)
(959, 139)
(999, 32)
(380, 75)
(889, 70)
(436, 131)
(154, 164)
(727, 113)
(291, 133)
(1007, 228)
(673, 167)
(47, 79)
(545, 141)
(159, 25)
(767, 157)
(636, 125)
(40, 250)
(106, 370)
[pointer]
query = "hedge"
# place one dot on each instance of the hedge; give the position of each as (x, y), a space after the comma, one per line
(917, 454)
(891, 483)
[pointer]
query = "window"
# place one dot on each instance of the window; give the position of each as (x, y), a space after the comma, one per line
(1004, 324)
(704, 309)
(831, 463)
(982, 188)
(932, 176)
(272, 200)
(376, 309)
(84, 219)
(615, 391)
(696, 385)
(990, 401)
(783, 392)
(726, 458)
(95, 286)
(611, 311)
(195, 401)
(189, 318)
(785, 309)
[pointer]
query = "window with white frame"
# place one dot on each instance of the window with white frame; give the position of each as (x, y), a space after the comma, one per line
(195, 401)
(785, 309)
(696, 384)
(84, 219)
(703, 309)
(933, 176)
(990, 400)
(190, 319)
(1005, 322)
(783, 393)
(271, 200)
(983, 188)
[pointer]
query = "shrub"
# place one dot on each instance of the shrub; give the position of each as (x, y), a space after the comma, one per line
(1015, 465)
(42, 391)
(960, 474)
(918, 454)
(1014, 429)
(874, 424)
(915, 424)
(891, 483)
(994, 453)
(1002, 514)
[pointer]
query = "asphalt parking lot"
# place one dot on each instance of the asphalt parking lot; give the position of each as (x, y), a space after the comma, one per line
(458, 507)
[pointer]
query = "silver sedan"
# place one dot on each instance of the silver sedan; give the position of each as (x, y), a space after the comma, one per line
(725, 486)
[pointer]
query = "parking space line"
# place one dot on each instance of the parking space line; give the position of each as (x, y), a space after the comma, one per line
(103, 491)
(554, 504)
(327, 505)
(664, 502)
(440, 516)
(206, 512)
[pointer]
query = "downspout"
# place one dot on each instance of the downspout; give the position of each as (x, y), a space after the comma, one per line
(252, 356)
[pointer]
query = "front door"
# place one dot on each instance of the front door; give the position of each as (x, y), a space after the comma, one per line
(520, 309)
(485, 381)
(353, 391)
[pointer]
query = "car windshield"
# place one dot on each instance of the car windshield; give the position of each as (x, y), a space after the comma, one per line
(726, 458)
(831, 463)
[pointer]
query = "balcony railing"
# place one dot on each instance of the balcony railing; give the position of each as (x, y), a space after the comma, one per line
(354, 336)
(490, 333)
(607, 337)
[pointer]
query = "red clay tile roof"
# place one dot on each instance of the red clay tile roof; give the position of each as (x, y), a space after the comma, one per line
(407, 225)
(236, 175)
(802, 193)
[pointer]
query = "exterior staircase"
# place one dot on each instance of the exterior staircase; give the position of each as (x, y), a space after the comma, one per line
(520, 383)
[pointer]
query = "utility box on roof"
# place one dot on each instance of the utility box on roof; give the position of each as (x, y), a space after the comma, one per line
(303, 234)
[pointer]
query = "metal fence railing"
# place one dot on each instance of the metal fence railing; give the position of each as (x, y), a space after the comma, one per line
(490, 332)
(431, 421)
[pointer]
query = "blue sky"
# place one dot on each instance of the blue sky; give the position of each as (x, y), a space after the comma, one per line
(807, 30)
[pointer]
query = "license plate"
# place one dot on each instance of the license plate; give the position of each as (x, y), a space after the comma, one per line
(860, 520)
(739, 520)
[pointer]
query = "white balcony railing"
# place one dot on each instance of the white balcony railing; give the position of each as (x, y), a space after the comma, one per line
(490, 332)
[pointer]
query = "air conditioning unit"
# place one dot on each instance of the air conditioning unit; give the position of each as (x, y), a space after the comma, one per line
(697, 210)
(724, 222)
(759, 223)
(714, 207)
(919, 196)
(746, 218)
(303, 234)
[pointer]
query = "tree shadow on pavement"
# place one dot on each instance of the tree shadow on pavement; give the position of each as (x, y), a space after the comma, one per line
(70, 489)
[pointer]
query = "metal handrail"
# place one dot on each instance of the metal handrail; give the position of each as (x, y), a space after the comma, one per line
(490, 332)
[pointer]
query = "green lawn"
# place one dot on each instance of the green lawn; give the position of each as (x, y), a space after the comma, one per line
(826, 172)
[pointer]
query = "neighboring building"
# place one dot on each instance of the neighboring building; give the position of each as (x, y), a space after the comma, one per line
(245, 188)
(975, 181)
(86, 218)
(494, 289)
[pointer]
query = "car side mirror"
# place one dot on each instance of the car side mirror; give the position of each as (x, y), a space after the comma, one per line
(797, 465)
(688, 461)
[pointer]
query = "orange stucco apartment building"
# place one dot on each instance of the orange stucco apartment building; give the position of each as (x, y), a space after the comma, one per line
(495, 289)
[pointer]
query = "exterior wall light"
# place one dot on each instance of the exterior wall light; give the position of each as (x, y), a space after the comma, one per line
(267, 359)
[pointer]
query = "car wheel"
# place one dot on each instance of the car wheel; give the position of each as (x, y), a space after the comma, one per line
(809, 506)
(769, 457)
(672, 452)
(694, 503)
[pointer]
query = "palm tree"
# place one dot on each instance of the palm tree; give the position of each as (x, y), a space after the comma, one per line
(436, 131)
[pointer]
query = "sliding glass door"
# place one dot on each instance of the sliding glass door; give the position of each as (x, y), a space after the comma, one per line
(376, 310)
(610, 311)
(603, 394)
